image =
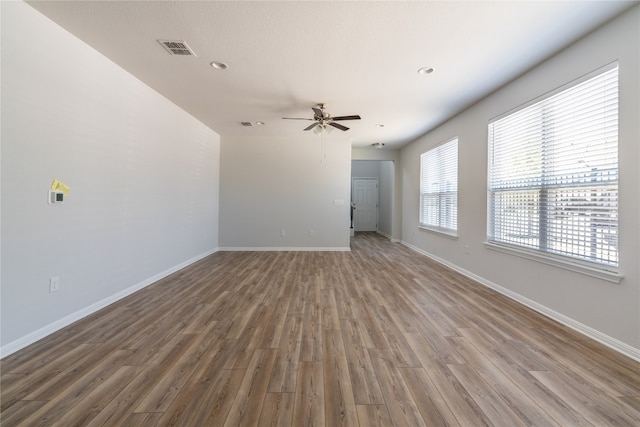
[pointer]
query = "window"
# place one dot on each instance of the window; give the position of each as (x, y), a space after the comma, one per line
(439, 188)
(553, 174)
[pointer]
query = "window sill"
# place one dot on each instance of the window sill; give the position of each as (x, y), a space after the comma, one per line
(577, 267)
(446, 233)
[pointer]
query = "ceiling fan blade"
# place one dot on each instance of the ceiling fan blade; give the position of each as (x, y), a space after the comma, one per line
(311, 126)
(294, 118)
(355, 117)
(318, 112)
(339, 126)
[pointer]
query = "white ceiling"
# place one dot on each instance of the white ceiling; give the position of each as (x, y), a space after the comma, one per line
(358, 57)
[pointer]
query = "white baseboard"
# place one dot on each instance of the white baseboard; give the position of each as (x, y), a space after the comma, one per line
(588, 331)
(285, 249)
(32, 337)
(388, 237)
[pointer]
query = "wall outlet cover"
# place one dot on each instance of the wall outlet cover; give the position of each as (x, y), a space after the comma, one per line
(54, 284)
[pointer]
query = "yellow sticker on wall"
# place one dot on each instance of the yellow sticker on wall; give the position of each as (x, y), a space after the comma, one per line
(59, 186)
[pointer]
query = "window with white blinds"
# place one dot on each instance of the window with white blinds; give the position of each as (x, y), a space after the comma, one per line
(439, 188)
(553, 173)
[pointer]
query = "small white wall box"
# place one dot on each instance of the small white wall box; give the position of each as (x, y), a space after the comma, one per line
(56, 197)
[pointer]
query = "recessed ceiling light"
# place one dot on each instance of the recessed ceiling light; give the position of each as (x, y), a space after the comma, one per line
(379, 125)
(377, 145)
(219, 65)
(425, 70)
(259, 123)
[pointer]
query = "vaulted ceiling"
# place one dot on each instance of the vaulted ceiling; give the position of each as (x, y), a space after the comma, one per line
(359, 57)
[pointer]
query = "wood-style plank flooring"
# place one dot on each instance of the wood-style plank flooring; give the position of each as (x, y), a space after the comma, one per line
(380, 336)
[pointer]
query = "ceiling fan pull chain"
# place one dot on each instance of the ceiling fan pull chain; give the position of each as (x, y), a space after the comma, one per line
(323, 148)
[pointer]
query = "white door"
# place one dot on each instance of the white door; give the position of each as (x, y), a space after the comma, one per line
(365, 198)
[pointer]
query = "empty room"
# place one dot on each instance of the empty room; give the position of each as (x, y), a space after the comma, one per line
(320, 213)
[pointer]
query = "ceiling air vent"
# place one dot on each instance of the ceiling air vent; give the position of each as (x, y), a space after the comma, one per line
(177, 47)
(246, 124)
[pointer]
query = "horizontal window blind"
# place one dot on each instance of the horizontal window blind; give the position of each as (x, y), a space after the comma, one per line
(553, 173)
(439, 187)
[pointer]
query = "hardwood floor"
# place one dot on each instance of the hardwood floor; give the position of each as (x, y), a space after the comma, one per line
(380, 336)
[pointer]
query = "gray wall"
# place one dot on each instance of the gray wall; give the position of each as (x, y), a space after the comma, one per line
(365, 169)
(593, 305)
(274, 184)
(143, 175)
(387, 185)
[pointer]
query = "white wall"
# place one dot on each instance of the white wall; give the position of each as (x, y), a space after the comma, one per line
(144, 179)
(597, 306)
(274, 184)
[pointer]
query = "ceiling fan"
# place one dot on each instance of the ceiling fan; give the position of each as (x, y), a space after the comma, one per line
(322, 119)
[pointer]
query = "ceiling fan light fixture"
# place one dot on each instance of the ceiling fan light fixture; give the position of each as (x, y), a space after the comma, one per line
(322, 128)
(219, 65)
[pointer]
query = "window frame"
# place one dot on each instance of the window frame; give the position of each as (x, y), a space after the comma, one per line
(604, 271)
(441, 195)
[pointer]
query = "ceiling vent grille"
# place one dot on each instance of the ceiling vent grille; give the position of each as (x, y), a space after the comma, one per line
(177, 47)
(246, 124)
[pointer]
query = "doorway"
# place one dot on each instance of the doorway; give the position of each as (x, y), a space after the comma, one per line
(365, 204)
(388, 214)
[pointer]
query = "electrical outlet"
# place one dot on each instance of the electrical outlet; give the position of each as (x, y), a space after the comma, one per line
(54, 284)
(311, 233)
(282, 232)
